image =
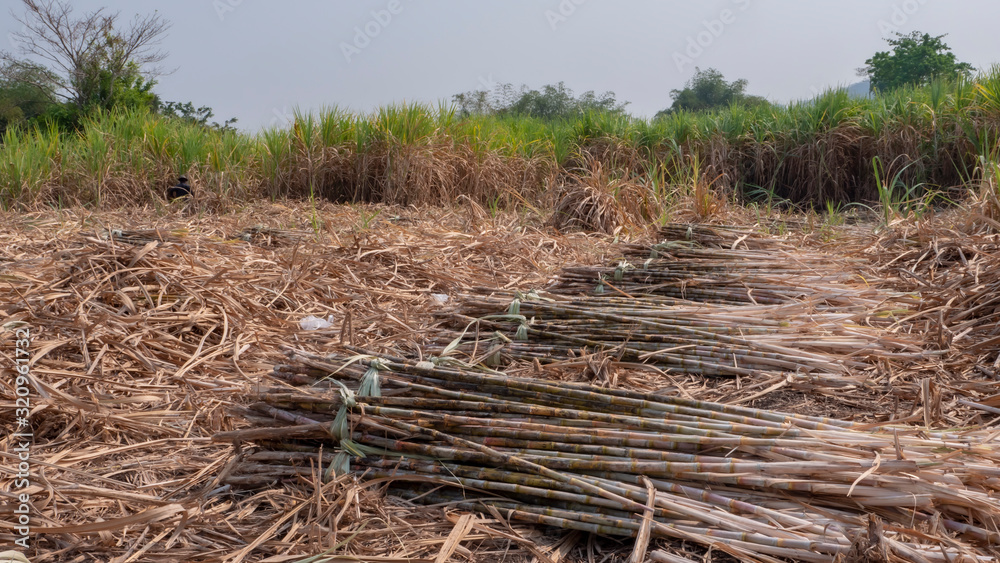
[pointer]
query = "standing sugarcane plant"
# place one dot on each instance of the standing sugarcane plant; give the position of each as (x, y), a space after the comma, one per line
(895, 197)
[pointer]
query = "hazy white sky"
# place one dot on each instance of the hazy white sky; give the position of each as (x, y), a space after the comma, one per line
(258, 60)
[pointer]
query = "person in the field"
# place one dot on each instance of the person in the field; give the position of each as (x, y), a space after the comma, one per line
(181, 191)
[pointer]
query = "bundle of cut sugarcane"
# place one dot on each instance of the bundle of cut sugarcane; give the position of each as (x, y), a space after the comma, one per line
(143, 236)
(712, 236)
(270, 237)
(725, 276)
(713, 340)
(758, 485)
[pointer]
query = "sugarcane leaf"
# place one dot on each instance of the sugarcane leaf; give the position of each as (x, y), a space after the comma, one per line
(370, 383)
(351, 360)
(534, 296)
(352, 447)
(455, 343)
(338, 428)
(345, 394)
(522, 332)
(514, 308)
(341, 464)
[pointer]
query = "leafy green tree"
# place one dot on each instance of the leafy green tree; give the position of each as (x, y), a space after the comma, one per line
(708, 89)
(915, 59)
(68, 66)
(26, 96)
(94, 62)
(552, 101)
(197, 115)
(474, 102)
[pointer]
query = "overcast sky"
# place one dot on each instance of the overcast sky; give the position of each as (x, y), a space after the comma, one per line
(258, 60)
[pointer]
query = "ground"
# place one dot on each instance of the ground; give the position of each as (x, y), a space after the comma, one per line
(149, 330)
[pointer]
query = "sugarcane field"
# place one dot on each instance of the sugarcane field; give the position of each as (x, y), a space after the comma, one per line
(751, 314)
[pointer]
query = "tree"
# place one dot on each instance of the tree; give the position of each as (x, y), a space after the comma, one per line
(26, 96)
(915, 59)
(475, 102)
(197, 115)
(92, 61)
(708, 89)
(552, 101)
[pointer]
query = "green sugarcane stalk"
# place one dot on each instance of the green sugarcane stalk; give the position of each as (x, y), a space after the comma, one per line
(654, 403)
(499, 480)
(458, 424)
(761, 414)
(801, 356)
(530, 438)
(637, 422)
(583, 483)
(596, 524)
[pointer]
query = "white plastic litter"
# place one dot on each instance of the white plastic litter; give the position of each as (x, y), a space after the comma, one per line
(439, 298)
(316, 323)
